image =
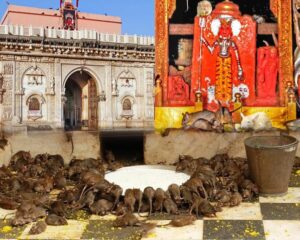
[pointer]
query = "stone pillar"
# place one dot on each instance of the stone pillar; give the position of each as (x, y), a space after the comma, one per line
(50, 93)
(2, 91)
(59, 100)
(111, 92)
(19, 104)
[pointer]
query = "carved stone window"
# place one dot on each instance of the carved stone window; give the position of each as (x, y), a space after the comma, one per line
(34, 104)
(126, 105)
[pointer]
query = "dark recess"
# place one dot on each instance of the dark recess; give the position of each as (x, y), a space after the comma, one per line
(128, 148)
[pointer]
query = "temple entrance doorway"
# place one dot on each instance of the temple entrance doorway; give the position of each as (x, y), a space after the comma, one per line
(81, 106)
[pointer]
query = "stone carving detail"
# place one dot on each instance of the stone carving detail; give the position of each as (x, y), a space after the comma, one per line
(51, 88)
(2, 90)
(7, 114)
(35, 76)
(127, 79)
(149, 75)
(114, 87)
(102, 96)
(20, 91)
(8, 69)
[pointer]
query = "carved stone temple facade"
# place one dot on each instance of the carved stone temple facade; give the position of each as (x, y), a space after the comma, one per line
(54, 79)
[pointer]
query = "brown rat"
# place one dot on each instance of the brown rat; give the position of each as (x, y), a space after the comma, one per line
(149, 193)
(128, 219)
(101, 207)
(235, 199)
(27, 212)
(206, 174)
(170, 206)
(174, 191)
(121, 209)
(223, 197)
(195, 206)
(69, 196)
(180, 221)
(91, 177)
(159, 197)
(58, 208)
(54, 220)
(116, 191)
(129, 199)
(195, 184)
(206, 209)
(138, 194)
(38, 228)
(60, 182)
(187, 195)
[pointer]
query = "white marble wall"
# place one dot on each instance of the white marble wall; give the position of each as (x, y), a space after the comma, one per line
(46, 78)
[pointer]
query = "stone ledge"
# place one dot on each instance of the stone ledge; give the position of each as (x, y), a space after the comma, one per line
(165, 150)
(86, 144)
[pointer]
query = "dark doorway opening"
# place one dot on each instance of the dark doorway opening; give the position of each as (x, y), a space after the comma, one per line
(81, 106)
(128, 148)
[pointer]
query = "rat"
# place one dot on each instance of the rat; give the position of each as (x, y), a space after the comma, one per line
(121, 209)
(223, 197)
(54, 220)
(128, 219)
(27, 212)
(129, 199)
(174, 191)
(101, 207)
(187, 195)
(235, 199)
(116, 191)
(159, 197)
(170, 206)
(180, 221)
(149, 193)
(195, 184)
(138, 194)
(38, 228)
(206, 209)
(58, 208)
(60, 181)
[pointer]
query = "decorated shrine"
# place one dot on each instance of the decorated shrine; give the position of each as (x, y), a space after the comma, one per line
(69, 14)
(224, 54)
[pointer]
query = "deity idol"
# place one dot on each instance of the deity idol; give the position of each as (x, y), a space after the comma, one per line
(224, 29)
(267, 74)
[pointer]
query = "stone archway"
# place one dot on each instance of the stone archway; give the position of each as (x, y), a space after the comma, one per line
(81, 106)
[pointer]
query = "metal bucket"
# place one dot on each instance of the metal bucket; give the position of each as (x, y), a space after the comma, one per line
(271, 159)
